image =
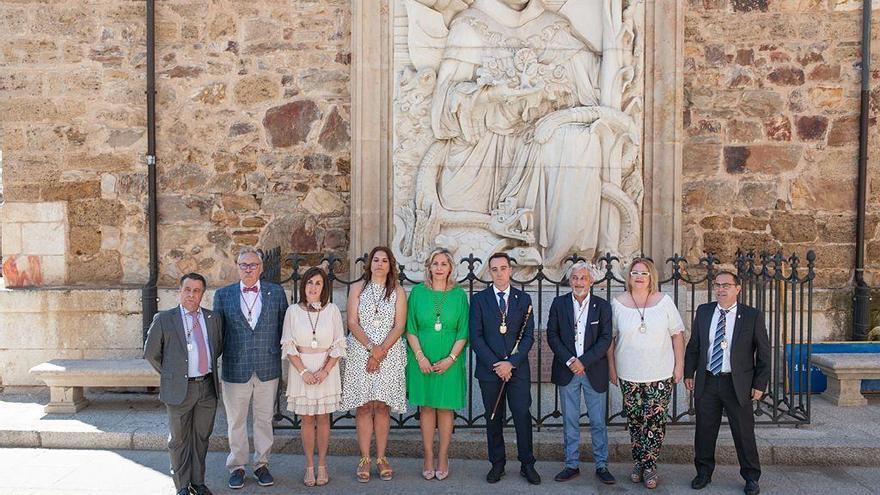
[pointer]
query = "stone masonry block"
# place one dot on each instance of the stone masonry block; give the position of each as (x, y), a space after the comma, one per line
(34, 212)
(11, 238)
(44, 238)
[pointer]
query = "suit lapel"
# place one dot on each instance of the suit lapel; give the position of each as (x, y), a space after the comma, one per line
(704, 332)
(737, 326)
(179, 328)
(265, 293)
(213, 332)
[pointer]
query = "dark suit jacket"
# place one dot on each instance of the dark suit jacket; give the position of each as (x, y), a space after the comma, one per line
(165, 349)
(749, 351)
(488, 343)
(247, 351)
(597, 339)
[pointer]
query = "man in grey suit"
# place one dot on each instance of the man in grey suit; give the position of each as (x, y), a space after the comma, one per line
(183, 344)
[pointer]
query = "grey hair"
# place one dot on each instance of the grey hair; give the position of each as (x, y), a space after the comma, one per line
(581, 265)
(249, 249)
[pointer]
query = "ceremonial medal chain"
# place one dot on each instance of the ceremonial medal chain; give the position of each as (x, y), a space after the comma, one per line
(502, 329)
(377, 298)
(642, 327)
(250, 307)
(314, 325)
(189, 330)
(581, 310)
(438, 306)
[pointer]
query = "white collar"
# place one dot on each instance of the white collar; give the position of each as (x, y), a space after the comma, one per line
(184, 311)
(496, 290)
(507, 16)
(731, 309)
(577, 304)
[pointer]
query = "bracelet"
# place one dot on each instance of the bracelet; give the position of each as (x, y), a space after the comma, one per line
(453, 356)
(370, 347)
(303, 372)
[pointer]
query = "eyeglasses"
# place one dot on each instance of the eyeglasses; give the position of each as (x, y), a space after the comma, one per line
(248, 266)
(723, 286)
(640, 274)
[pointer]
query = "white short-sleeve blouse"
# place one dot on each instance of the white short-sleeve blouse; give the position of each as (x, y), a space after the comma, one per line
(645, 357)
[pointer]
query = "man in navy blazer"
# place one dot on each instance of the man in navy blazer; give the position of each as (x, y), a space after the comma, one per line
(496, 316)
(579, 332)
(253, 314)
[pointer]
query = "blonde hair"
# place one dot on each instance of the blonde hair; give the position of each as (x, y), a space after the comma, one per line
(429, 278)
(653, 285)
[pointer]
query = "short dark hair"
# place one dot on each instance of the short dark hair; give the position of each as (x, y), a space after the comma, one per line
(310, 274)
(498, 255)
(728, 272)
(194, 276)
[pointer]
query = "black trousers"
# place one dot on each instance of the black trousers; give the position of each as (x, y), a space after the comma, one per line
(190, 425)
(518, 395)
(718, 393)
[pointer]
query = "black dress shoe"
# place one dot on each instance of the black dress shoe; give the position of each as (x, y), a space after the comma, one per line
(528, 472)
(495, 474)
(568, 474)
(200, 490)
(700, 482)
(752, 488)
(605, 476)
(236, 479)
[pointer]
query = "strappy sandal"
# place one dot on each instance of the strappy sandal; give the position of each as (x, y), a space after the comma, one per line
(385, 471)
(651, 479)
(309, 477)
(636, 475)
(323, 478)
(363, 470)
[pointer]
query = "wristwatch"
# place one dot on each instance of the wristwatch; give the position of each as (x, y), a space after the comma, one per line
(370, 347)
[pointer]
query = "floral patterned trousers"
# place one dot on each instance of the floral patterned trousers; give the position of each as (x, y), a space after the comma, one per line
(645, 406)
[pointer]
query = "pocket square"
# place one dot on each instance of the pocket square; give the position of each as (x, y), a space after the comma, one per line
(594, 322)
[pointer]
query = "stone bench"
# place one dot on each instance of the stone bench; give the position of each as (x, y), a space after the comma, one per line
(845, 373)
(67, 377)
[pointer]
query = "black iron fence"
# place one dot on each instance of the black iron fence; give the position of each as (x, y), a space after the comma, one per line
(781, 287)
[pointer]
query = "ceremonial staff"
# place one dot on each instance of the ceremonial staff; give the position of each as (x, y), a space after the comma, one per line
(519, 336)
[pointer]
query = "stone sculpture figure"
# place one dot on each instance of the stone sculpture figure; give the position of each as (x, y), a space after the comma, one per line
(527, 152)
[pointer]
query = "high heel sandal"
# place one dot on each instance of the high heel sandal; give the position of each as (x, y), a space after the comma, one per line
(363, 470)
(385, 471)
(442, 475)
(323, 478)
(651, 478)
(309, 477)
(636, 475)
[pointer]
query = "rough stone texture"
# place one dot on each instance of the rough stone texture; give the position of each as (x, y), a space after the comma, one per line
(779, 82)
(245, 91)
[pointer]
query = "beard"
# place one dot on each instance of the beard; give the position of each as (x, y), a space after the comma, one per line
(580, 292)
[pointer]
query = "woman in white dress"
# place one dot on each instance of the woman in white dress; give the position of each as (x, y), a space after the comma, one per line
(374, 378)
(313, 340)
(646, 359)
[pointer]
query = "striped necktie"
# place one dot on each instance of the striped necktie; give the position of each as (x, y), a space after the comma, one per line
(717, 350)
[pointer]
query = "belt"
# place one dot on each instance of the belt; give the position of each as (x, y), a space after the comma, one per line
(199, 378)
(719, 374)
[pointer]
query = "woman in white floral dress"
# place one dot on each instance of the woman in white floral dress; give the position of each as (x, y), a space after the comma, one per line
(374, 379)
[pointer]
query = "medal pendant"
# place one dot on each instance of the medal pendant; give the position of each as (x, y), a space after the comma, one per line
(377, 323)
(189, 347)
(438, 326)
(643, 328)
(502, 329)
(724, 344)
(314, 344)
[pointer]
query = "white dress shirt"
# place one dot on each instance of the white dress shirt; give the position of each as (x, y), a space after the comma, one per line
(496, 290)
(581, 313)
(192, 351)
(730, 321)
(253, 301)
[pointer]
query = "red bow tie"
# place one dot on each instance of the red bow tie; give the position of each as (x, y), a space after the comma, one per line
(251, 289)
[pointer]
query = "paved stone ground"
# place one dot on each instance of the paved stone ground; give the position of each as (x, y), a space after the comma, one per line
(836, 437)
(68, 472)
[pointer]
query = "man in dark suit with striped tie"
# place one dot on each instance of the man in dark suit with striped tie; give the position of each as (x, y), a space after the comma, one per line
(727, 365)
(496, 316)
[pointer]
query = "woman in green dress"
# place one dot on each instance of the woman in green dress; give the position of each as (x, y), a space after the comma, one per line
(437, 330)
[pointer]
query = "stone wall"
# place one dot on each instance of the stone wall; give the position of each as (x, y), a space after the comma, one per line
(771, 120)
(253, 129)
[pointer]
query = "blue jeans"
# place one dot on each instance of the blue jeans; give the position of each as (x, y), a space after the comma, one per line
(570, 401)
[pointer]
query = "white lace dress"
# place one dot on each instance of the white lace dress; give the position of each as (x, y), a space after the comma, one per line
(324, 397)
(388, 385)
